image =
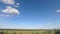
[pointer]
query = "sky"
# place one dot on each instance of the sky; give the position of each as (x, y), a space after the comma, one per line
(29, 14)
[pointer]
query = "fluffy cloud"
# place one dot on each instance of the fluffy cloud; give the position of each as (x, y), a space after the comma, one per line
(10, 10)
(57, 10)
(8, 1)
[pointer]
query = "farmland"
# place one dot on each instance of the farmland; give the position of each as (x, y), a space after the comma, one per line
(26, 31)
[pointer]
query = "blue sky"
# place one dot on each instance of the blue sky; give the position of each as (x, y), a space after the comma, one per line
(34, 14)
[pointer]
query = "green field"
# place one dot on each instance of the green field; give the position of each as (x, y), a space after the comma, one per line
(26, 31)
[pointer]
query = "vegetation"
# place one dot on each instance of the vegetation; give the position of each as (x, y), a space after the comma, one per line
(14, 33)
(56, 31)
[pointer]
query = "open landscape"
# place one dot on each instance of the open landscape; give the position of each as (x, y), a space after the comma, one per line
(29, 16)
(28, 31)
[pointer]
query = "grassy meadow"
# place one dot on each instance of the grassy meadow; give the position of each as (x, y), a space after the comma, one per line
(26, 31)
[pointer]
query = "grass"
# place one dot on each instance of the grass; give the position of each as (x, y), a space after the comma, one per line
(26, 31)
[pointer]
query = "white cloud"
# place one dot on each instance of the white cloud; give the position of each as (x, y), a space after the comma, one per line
(8, 1)
(57, 10)
(4, 15)
(10, 10)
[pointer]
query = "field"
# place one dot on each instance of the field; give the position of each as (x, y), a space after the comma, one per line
(26, 31)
